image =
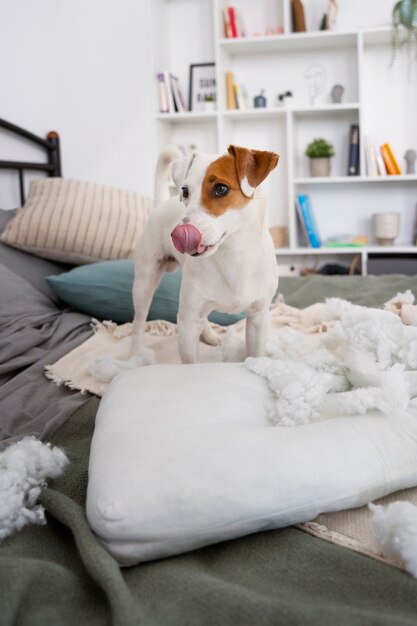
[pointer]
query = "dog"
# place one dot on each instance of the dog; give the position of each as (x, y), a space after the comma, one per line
(216, 230)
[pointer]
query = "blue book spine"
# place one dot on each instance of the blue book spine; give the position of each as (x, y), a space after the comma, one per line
(307, 214)
(353, 164)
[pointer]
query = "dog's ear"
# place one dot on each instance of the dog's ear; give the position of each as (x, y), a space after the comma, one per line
(252, 167)
(179, 169)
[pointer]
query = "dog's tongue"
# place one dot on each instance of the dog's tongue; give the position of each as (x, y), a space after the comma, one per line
(187, 238)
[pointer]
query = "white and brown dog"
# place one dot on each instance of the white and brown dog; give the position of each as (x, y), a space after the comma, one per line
(217, 231)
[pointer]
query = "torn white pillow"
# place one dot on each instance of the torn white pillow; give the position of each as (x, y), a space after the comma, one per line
(184, 456)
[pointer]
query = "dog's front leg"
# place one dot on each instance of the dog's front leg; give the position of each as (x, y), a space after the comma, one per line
(257, 326)
(147, 278)
(190, 328)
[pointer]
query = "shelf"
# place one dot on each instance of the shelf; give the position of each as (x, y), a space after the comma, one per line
(377, 36)
(250, 114)
(307, 251)
(305, 41)
(302, 251)
(295, 41)
(324, 108)
(341, 180)
(187, 116)
(202, 116)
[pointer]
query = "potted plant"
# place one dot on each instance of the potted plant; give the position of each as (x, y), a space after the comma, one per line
(404, 25)
(209, 103)
(319, 152)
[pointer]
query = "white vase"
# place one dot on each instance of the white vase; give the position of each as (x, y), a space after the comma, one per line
(386, 227)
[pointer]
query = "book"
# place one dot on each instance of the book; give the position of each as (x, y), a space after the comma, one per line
(241, 97)
(230, 93)
(179, 103)
(390, 161)
(171, 106)
(380, 164)
(353, 160)
(370, 158)
(226, 23)
(305, 211)
(233, 21)
(162, 93)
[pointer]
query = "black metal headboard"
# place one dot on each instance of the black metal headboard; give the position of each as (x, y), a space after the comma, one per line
(51, 146)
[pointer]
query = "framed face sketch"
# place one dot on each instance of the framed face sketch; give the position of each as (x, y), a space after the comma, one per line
(203, 93)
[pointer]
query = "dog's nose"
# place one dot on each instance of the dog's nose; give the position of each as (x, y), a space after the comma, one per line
(186, 238)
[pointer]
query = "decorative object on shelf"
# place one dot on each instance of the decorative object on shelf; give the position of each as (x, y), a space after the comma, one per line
(328, 21)
(209, 103)
(278, 30)
(202, 84)
(279, 236)
(386, 227)
(404, 27)
(298, 18)
(353, 168)
(319, 152)
(259, 101)
(410, 159)
(337, 93)
(315, 76)
(284, 97)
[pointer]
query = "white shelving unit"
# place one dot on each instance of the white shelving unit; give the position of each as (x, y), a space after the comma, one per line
(379, 94)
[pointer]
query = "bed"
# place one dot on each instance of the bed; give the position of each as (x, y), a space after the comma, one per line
(59, 573)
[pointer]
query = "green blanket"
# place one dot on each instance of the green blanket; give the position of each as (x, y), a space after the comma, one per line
(58, 574)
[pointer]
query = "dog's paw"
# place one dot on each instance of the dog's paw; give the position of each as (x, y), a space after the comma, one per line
(210, 337)
(105, 368)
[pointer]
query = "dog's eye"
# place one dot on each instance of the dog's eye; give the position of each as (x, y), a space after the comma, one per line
(220, 190)
(185, 192)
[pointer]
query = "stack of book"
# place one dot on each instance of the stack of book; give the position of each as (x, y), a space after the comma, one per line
(236, 95)
(169, 93)
(381, 162)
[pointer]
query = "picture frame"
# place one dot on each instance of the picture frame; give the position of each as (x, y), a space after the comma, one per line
(203, 88)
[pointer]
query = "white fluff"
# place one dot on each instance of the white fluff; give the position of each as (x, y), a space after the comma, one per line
(395, 527)
(297, 390)
(367, 360)
(24, 468)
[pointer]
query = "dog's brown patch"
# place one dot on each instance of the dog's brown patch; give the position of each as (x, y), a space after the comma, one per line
(241, 164)
(222, 171)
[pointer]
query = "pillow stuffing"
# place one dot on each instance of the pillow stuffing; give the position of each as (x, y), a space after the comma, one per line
(104, 290)
(77, 222)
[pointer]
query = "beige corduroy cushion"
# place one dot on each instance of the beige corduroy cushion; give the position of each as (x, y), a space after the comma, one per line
(78, 222)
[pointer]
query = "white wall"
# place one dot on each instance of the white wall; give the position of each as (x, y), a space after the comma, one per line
(83, 68)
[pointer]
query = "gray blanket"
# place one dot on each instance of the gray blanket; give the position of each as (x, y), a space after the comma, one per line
(34, 332)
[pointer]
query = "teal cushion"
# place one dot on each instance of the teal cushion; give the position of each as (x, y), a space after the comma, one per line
(104, 290)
